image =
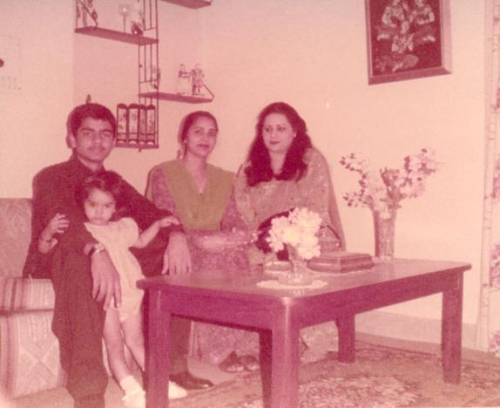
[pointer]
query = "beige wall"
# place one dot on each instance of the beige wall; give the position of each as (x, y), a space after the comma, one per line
(32, 121)
(311, 54)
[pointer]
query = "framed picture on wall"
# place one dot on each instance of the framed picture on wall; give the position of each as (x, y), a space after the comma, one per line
(407, 39)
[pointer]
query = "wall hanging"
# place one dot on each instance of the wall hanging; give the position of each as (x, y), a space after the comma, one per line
(407, 39)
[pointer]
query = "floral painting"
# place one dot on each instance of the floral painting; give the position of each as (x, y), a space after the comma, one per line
(407, 39)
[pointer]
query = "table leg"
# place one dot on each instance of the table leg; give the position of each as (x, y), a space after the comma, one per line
(281, 360)
(347, 334)
(451, 335)
(157, 356)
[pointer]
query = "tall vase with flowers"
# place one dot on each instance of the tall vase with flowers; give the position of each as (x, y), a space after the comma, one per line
(383, 191)
(296, 232)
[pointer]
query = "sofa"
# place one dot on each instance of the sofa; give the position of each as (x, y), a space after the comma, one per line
(29, 351)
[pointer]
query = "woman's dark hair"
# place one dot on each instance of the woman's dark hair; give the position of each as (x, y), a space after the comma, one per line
(188, 121)
(294, 166)
(89, 110)
(107, 181)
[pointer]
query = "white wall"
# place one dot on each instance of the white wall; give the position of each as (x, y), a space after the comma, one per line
(311, 54)
(32, 121)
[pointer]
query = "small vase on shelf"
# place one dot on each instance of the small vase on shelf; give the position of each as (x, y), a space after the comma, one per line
(300, 274)
(384, 228)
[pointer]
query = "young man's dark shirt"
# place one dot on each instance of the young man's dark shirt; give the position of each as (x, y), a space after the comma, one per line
(78, 318)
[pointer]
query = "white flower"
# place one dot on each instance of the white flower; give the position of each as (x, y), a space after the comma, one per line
(299, 229)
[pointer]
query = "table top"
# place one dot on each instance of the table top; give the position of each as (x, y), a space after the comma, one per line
(239, 283)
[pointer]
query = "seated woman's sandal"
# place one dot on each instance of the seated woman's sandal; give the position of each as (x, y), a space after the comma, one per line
(231, 364)
(250, 363)
(234, 364)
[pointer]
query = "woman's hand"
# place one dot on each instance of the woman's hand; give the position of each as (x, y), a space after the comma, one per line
(177, 259)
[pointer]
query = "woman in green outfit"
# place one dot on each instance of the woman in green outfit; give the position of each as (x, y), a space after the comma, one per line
(201, 196)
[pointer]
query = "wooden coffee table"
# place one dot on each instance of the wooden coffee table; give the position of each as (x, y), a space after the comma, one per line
(233, 299)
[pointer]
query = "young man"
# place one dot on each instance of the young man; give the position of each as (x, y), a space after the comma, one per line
(86, 285)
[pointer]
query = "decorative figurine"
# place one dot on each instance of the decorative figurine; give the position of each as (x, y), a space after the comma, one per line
(124, 11)
(197, 80)
(183, 81)
(133, 123)
(122, 123)
(151, 124)
(86, 8)
(137, 18)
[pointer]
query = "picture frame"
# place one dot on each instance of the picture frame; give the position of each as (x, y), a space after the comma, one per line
(407, 39)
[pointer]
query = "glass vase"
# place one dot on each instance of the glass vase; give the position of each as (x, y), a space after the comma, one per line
(300, 273)
(384, 228)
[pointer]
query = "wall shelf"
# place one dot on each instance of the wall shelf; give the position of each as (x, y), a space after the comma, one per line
(138, 122)
(116, 35)
(166, 96)
(193, 4)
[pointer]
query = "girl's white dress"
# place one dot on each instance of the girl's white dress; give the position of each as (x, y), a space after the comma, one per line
(118, 237)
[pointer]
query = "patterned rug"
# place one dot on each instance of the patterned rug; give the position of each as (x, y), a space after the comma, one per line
(380, 377)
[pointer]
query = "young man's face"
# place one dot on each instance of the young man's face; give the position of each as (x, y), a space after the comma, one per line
(93, 142)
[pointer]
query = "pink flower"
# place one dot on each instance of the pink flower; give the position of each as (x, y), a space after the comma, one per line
(385, 190)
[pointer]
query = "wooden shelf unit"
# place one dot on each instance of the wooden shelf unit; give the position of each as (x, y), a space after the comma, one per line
(173, 97)
(193, 4)
(116, 35)
(147, 59)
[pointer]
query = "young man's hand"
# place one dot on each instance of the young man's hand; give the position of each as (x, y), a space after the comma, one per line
(105, 280)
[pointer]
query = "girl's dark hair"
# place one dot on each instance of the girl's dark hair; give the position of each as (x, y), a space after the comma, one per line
(188, 121)
(107, 181)
(294, 166)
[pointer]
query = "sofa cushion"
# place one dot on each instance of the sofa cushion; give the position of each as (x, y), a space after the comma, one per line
(15, 235)
(29, 356)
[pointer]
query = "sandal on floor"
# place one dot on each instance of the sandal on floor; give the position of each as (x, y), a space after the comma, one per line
(232, 364)
(250, 363)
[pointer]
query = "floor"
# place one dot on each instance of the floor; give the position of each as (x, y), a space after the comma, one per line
(59, 398)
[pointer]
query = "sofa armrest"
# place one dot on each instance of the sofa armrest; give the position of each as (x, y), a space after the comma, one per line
(26, 294)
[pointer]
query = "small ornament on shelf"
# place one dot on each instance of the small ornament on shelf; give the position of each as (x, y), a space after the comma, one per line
(150, 124)
(124, 11)
(142, 124)
(155, 77)
(137, 18)
(133, 123)
(122, 123)
(136, 125)
(183, 81)
(197, 84)
(84, 9)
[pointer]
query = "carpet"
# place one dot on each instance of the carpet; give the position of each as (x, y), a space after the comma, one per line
(381, 377)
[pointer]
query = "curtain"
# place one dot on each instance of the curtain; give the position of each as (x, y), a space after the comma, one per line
(488, 327)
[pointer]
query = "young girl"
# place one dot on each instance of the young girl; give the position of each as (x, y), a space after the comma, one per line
(100, 196)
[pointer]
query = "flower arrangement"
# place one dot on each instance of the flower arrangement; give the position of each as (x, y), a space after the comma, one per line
(298, 230)
(383, 194)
